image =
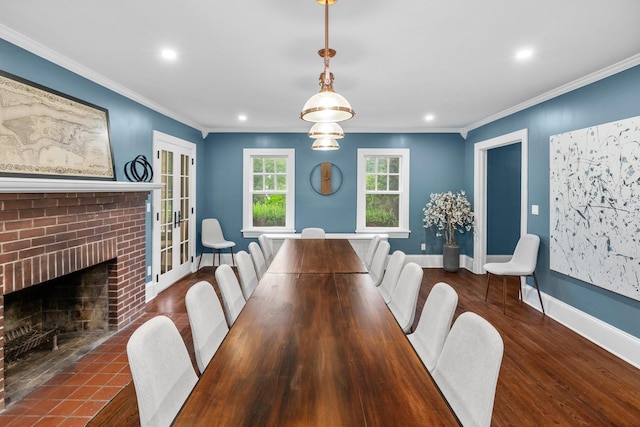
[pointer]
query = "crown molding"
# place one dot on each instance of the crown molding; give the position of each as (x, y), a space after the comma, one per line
(576, 84)
(42, 51)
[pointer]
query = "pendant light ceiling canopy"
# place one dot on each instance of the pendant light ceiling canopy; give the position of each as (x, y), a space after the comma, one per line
(326, 106)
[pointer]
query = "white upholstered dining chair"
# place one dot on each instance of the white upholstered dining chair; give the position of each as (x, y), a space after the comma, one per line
(312, 233)
(391, 275)
(405, 296)
(163, 375)
(258, 259)
(207, 320)
(379, 263)
(371, 251)
(434, 324)
(213, 238)
(232, 297)
(267, 249)
(468, 367)
(247, 273)
(522, 263)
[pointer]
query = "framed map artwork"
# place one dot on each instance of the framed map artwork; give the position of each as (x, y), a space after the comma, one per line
(44, 133)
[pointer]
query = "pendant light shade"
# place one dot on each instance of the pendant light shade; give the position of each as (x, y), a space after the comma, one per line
(325, 144)
(326, 130)
(326, 106)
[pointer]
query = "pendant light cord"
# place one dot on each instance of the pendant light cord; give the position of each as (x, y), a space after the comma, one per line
(327, 78)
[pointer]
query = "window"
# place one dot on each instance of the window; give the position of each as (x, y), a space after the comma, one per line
(383, 192)
(269, 191)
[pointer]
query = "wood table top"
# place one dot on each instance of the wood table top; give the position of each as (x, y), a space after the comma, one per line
(317, 256)
(315, 349)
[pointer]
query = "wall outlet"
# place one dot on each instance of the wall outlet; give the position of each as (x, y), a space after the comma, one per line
(149, 271)
(534, 209)
(423, 246)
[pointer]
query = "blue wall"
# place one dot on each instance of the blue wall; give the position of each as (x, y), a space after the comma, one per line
(503, 199)
(614, 98)
(434, 168)
(131, 124)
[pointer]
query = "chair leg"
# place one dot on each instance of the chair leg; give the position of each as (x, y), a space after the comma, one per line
(233, 260)
(200, 260)
(504, 294)
(535, 279)
(217, 251)
(486, 294)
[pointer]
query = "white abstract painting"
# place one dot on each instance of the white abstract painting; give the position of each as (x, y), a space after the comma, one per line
(595, 205)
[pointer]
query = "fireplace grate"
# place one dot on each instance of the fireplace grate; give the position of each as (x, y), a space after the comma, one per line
(25, 338)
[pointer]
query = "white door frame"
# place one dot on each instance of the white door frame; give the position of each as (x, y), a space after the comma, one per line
(161, 141)
(480, 190)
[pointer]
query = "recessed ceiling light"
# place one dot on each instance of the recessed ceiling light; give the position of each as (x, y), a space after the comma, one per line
(429, 117)
(524, 54)
(242, 117)
(169, 54)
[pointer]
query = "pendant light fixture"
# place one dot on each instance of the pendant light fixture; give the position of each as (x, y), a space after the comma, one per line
(326, 106)
(325, 144)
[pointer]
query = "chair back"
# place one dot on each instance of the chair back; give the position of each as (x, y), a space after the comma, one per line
(376, 271)
(258, 259)
(525, 255)
(163, 375)
(405, 296)
(468, 367)
(312, 233)
(434, 324)
(391, 275)
(267, 250)
(208, 324)
(371, 251)
(211, 232)
(232, 297)
(247, 273)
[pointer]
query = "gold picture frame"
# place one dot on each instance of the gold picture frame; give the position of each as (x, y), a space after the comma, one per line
(44, 133)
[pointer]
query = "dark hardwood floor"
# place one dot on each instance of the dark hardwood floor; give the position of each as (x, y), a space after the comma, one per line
(549, 376)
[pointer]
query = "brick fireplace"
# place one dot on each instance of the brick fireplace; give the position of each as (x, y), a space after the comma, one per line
(63, 229)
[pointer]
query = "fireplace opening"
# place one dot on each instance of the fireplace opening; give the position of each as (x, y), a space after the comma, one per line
(49, 326)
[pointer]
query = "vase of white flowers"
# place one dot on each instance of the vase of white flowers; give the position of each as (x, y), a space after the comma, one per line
(449, 212)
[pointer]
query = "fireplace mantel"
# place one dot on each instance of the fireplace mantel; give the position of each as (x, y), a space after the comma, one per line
(40, 185)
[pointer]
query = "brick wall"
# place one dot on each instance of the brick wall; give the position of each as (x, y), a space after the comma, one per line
(43, 236)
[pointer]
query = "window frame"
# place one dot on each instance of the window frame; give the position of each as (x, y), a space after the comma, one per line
(402, 231)
(248, 230)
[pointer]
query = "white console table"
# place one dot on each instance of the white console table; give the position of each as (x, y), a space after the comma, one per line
(359, 241)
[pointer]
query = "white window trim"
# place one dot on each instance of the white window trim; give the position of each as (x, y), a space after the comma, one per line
(402, 231)
(247, 202)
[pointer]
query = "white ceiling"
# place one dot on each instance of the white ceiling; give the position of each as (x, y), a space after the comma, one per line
(397, 60)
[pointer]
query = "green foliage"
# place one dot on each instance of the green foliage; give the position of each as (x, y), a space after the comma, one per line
(269, 211)
(382, 210)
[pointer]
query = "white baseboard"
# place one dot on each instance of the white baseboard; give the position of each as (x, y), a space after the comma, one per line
(149, 291)
(615, 341)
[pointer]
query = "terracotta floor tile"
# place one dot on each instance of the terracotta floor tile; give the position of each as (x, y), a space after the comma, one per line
(120, 380)
(66, 407)
(79, 379)
(99, 379)
(84, 392)
(75, 422)
(50, 421)
(23, 421)
(89, 408)
(114, 368)
(42, 407)
(106, 393)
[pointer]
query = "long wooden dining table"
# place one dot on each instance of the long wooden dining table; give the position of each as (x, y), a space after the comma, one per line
(315, 345)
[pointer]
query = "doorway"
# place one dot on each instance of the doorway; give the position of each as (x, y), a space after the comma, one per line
(174, 225)
(480, 191)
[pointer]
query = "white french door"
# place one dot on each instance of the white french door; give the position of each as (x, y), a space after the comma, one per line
(174, 227)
